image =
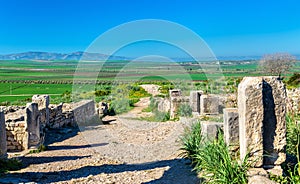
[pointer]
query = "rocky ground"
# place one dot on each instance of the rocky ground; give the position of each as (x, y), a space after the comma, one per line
(124, 150)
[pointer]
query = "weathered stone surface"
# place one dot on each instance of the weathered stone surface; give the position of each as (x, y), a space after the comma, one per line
(163, 104)
(209, 104)
(195, 100)
(175, 99)
(3, 143)
(43, 102)
(274, 136)
(231, 126)
(261, 104)
(33, 125)
(84, 111)
(293, 101)
(209, 130)
(257, 179)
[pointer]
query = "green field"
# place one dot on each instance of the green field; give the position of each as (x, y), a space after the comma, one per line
(20, 79)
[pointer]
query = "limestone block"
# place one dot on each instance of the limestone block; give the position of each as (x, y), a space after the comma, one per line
(43, 102)
(231, 126)
(3, 142)
(163, 105)
(274, 94)
(262, 131)
(33, 125)
(209, 130)
(195, 100)
(175, 97)
(209, 104)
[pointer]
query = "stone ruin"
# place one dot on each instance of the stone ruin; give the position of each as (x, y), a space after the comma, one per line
(200, 104)
(23, 128)
(258, 126)
(176, 99)
(262, 123)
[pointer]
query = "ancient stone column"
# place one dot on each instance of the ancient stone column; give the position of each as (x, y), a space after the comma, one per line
(274, 95)
(3, 143)
(175, 99)
(33, 125)
(262, 124)
(43, 104)
(231, 126)
(195, 100)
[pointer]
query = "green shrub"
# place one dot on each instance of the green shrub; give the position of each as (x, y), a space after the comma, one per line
(9, 165)
(158, 116)
(119, 106)
(294, 80)
(40, 149)
(291, 170)
(184, 110)
(212, 158)
(191, 141)
(293, 136)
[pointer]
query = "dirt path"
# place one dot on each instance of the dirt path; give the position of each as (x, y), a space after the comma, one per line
(125, 151)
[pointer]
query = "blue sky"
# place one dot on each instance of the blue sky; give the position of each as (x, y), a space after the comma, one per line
(230, 28)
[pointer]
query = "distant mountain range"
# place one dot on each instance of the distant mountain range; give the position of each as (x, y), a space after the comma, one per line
(60, 56)
(76, 56)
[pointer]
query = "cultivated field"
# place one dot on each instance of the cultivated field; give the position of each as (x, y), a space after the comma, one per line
(20, 79)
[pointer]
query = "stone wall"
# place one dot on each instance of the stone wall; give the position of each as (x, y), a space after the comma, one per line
(293, 101)
(25, 126)
(16, 130)
(59, 118)
(83, 111)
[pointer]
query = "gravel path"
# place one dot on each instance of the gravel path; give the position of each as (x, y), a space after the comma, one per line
(126, 150)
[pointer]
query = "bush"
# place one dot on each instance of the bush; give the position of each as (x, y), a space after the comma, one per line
(9, 165)
(212, 158)
(191, 141)
(294, 80)
(184, 110)
(40, 149)
(119, 106)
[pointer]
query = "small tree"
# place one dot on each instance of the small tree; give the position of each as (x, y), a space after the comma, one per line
(277, 63)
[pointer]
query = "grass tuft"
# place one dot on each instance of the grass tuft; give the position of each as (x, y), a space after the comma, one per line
(212, 159)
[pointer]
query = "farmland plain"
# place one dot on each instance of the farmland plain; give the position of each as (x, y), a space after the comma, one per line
(20, 79)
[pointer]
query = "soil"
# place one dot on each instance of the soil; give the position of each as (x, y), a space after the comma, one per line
(124, 150)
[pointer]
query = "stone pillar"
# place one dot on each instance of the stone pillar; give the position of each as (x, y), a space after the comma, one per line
(3, 143)
(209, 104)
(195, 100)
(43, 102)
(231, 126)
(274, 95)
(33, 125)
(262, 124)
(175, 99)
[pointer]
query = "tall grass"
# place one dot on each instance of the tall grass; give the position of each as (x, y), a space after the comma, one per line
(292, 170)
(212, 159)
